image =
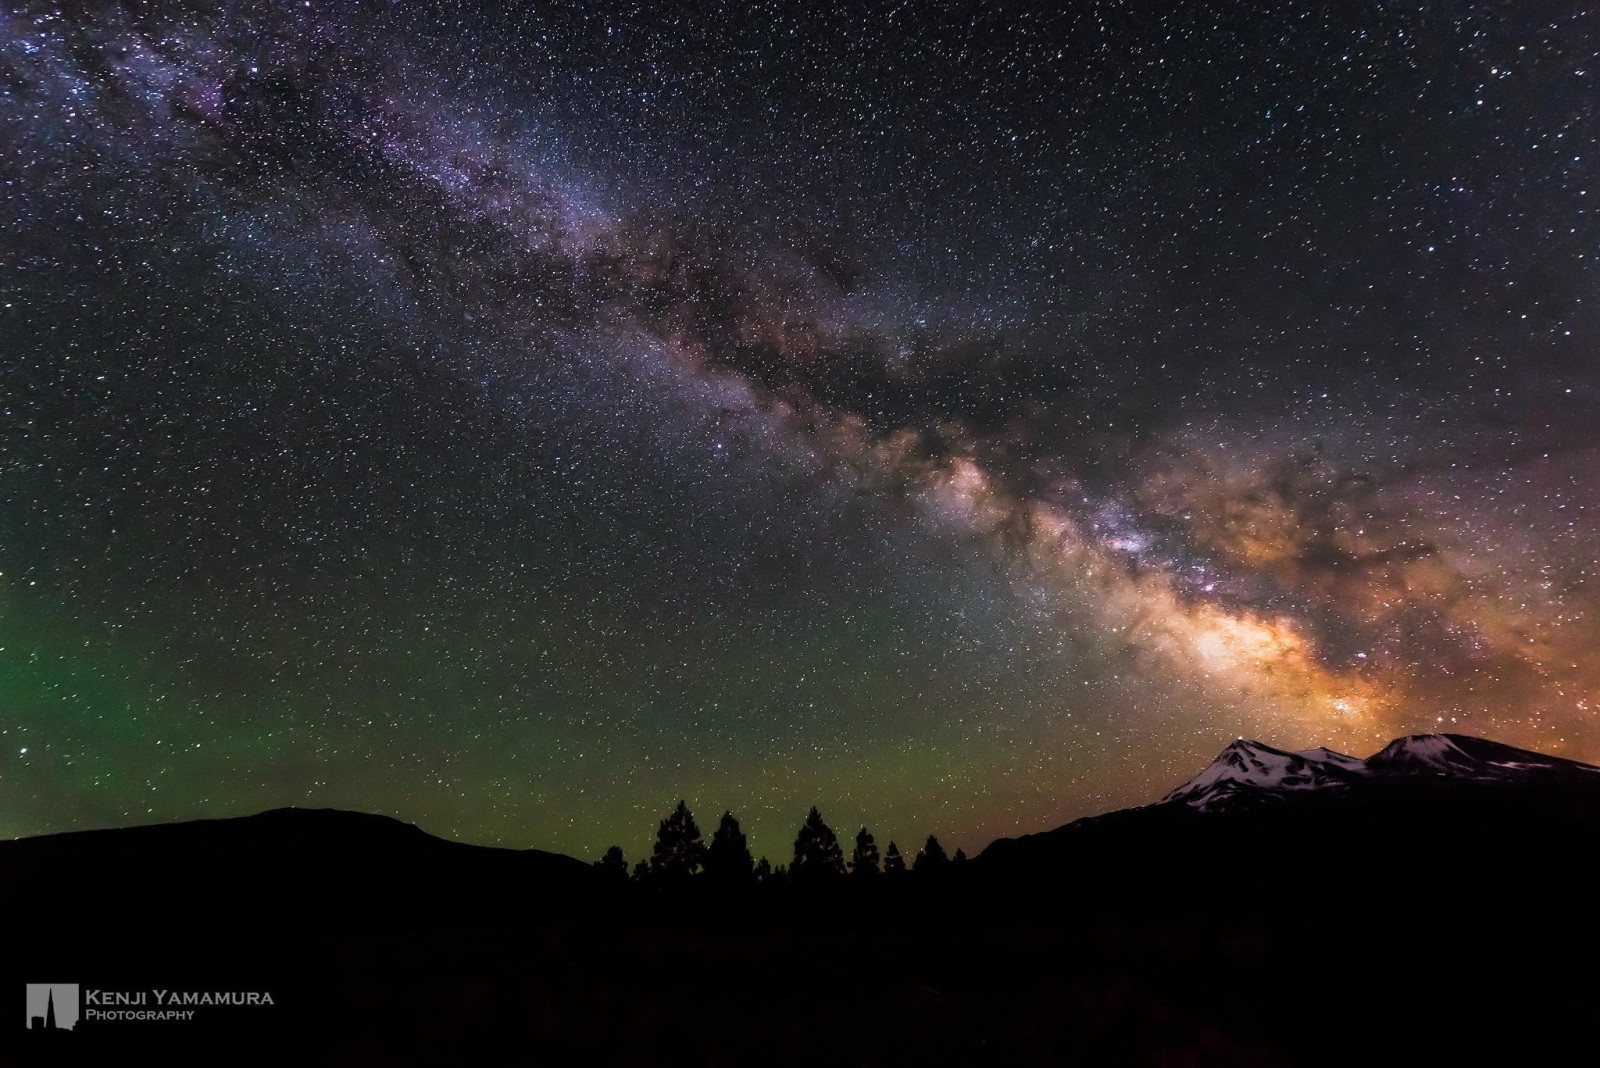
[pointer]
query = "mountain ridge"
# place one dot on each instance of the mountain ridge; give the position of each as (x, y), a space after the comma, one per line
(1249, 772)
(288, 866)
(1427, 817)
(1422, 810)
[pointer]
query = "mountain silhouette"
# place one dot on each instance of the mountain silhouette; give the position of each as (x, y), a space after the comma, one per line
(1424, 810)
(1426, 814)
(1436, 891)
(288, 866)
(1251, 773)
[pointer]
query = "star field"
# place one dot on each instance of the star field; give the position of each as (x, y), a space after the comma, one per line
(514, 418)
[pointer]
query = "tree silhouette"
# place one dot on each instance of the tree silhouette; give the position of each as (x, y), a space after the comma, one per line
(893, 862)
(816, 849)
(864, 860)
(641, 872)
(930, 857)
(728, 859)
(678, 851)
(763, 870)
(613, 866)
(960, 857)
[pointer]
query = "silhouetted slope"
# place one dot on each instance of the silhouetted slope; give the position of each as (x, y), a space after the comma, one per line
(1428, 815)
(288, 866)
(1433, 897)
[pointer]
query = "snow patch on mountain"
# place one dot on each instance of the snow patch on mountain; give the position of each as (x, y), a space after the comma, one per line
(1323, 755)
(1249, 773)
(1246, 772)
(1465, 757)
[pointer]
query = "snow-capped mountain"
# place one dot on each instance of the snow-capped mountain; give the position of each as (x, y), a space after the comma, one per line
(1249, 773)
(1429, 818)
(1465, 757)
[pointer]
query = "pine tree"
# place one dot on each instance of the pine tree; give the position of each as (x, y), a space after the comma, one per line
(893, 862)
(816, 850)
(864, 861)
(960, 857)
(641, 872)
(613, 866)
(728, 860)
(930, 857)
(763, 871)
(679, 852)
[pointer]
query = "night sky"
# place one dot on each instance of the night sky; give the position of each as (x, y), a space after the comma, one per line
(516, 417)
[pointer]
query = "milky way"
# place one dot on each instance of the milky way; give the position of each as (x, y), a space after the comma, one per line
(515, 418)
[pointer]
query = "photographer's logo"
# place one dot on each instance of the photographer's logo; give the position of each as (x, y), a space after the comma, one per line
(52, 1006)
(57, 1007)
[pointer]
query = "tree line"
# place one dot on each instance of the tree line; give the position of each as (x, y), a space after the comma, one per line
(680, 856)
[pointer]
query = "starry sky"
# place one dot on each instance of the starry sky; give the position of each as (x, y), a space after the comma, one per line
(963, 417)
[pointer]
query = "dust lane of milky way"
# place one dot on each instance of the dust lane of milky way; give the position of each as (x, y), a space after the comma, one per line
(517, 419)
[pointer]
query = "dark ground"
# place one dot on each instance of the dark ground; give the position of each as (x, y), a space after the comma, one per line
(874, 986)
(1401, 931)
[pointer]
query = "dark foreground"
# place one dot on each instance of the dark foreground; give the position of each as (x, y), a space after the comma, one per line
(1430, 924)
(933, 984)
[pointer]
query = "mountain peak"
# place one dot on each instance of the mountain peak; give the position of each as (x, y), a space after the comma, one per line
(1469, 757)
(1324, 754)
(1247, 771)
(1248, 745)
